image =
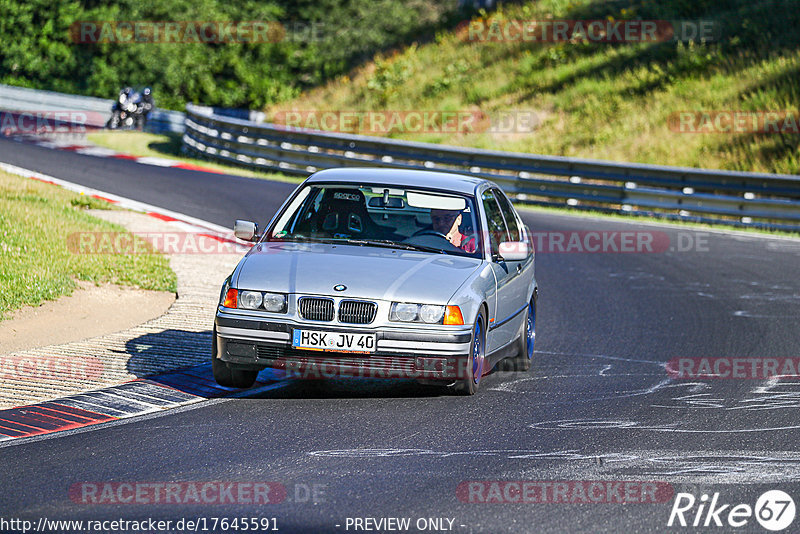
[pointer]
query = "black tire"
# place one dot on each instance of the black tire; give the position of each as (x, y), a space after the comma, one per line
(222, 373)
(113, 121)
(526, 342)
(227, 376)
(220, 369)
(473, 368)
(243, 378)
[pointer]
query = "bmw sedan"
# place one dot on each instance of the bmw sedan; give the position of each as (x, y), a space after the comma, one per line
(381, 273)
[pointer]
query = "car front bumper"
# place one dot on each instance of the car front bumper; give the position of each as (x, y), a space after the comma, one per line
(402, 351)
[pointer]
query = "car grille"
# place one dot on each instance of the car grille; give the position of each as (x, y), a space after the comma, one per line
(357, 311)
(316, 309)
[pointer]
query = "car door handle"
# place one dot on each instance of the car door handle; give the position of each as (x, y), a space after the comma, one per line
(519, 267)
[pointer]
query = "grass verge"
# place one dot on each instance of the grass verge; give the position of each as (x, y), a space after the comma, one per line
(37, 265)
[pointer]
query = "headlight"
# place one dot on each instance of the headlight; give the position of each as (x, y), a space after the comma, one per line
(424, 313)
(250, 300)
(275, 302)
(431, 314)
(254, 300)
(404, 312)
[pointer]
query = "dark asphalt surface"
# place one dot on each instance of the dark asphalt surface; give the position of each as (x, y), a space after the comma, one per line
(597, 405)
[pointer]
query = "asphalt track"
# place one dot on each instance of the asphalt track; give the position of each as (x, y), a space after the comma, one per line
(598, 404)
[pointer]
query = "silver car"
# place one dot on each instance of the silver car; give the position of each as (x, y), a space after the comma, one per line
(381, 273)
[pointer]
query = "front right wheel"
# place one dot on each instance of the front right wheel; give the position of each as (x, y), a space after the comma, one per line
(227, 376)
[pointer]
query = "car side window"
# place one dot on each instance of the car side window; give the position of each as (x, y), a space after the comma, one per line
(510, 217)
(494, 220)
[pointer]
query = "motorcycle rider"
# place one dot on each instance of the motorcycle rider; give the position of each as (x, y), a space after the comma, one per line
(124, 96)
(119, 107)
(148, 104)
(122, 99)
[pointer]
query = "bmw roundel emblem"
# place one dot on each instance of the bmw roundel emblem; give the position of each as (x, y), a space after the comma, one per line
(340, 287)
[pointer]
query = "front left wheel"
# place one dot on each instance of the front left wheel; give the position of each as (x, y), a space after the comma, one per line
(472, 370)
(525, 344)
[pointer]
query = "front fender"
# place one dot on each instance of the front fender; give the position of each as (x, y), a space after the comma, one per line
(480, 287)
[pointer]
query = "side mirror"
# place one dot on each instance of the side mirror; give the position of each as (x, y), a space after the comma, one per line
(514, 250)
(245, 230)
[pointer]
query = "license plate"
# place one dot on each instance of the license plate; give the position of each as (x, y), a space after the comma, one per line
(333, 341)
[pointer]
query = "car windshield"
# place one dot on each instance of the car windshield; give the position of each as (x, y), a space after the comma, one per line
(382, 216)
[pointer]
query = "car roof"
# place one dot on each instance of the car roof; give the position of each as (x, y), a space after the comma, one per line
(401, 177)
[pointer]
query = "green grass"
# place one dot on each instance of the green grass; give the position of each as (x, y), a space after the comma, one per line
(90, 203)
(168, 146)
(593, 100)
(36, 221)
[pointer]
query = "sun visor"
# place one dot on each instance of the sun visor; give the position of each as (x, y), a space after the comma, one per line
(435, 202)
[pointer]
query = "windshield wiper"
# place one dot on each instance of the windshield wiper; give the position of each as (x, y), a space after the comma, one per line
(393, 244)
(299, 238)
(386, 243)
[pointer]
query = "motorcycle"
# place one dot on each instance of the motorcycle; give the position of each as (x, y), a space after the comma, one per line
(128, 112)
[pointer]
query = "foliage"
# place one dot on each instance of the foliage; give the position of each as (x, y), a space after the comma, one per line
(595, 99)
(321, 39)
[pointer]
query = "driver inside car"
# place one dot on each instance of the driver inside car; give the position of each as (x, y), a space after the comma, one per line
(447, 223)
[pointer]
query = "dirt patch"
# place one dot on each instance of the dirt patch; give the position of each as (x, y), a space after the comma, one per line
(89, 312)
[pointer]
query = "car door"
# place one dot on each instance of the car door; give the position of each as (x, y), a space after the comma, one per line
(502, 326)
(521, 284)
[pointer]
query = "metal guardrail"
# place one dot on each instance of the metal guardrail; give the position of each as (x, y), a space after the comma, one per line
(21, 99)
(738, 198)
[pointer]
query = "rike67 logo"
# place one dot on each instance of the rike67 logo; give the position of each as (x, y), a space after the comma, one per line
(774, 510)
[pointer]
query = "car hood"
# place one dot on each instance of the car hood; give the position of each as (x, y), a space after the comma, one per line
(367, 272)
